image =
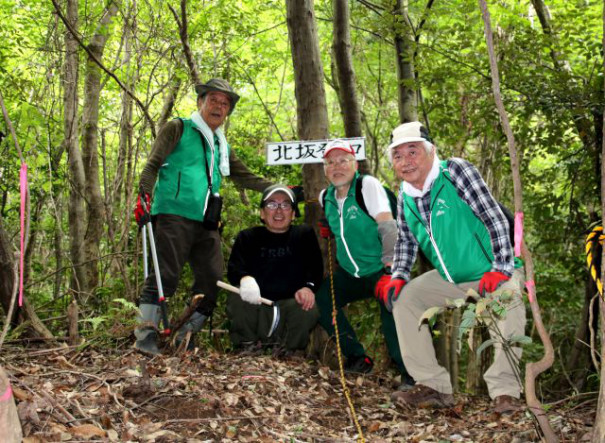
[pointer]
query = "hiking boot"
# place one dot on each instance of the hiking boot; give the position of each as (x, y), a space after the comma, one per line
(146, 331)
(149, 344)
(361, 364)
(194, 324)
(421, 396)
(505, 404)
(407, 383)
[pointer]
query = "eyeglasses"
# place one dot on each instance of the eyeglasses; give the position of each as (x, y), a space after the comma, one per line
(285, 206)
(340, 162)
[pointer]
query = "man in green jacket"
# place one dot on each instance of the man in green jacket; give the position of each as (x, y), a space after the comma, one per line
(184, 171)
(446, 210)
(364, 251)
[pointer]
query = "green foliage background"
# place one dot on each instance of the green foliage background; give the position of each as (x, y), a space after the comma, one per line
(247, 43)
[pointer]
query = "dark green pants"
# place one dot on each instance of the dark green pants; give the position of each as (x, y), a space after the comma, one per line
(348, 289)
(251, 323)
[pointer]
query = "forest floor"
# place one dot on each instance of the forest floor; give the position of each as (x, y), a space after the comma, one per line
(65, 394)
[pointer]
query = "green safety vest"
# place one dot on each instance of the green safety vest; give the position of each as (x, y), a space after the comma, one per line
(182, 186)
(358, 243)
(456, 242)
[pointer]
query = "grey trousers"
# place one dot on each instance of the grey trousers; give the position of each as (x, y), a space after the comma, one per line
(431, 290)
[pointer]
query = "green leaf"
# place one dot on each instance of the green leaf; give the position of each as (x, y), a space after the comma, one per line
(125, 303)
(521, 339)
(430, 313)
(484, 345)
(95, 321)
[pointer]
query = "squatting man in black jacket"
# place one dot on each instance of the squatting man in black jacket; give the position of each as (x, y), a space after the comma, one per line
(282, 263)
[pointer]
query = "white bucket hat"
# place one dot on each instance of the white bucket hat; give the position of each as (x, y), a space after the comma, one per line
(407, 133)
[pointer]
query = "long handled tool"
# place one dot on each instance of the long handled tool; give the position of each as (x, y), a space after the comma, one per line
(148, 229)
(276, 312)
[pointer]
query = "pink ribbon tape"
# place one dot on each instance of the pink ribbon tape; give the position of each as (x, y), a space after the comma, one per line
(23, 188)
(7, 394)
(518, 232)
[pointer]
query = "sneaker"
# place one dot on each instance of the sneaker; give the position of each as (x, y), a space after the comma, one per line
(505, 404)
(421, 396)
(359, 364)
(148, 345)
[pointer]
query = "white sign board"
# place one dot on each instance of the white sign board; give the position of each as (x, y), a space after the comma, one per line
(297, 152)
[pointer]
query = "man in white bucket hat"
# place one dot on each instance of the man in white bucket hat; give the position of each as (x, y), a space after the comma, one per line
(446, 210)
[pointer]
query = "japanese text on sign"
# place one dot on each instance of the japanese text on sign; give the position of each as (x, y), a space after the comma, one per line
(297, 152)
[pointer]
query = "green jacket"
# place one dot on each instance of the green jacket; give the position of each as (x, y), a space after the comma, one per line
(456, 242)
(182, 184)
(358, 243)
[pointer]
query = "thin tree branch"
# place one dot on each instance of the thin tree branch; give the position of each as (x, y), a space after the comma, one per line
(532, 369)
(107, 71)
(183, 33)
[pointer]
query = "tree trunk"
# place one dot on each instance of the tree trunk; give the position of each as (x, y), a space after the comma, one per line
(7, 273)
(58, 246)
(532, 369)
(90, 155)
(598, 434)
(405, 63)
(579, 364)
(10, 426)
(76, 166)
(120, 189)
(446, 344)
(345, 76)
(311, 106)
(476, 367)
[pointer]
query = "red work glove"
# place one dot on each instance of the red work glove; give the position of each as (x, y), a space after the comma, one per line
(490, 282)
(324, 229)
(390, 291)
(141, 210)
(380, 284)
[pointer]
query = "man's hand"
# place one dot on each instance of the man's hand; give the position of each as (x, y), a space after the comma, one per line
(305, 298)
(142, 209)
(491, 281)
(324, 228)
(389, 291)
(380, 284)
(249, 290)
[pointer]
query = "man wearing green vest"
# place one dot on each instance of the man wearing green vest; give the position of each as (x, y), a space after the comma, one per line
(364, 251)
(184, 172)
(446, 210)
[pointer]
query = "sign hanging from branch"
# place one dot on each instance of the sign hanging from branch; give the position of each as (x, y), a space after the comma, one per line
(297, 152)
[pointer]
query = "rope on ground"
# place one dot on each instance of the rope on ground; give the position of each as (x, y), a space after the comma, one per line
(340, 365)
(594, 238)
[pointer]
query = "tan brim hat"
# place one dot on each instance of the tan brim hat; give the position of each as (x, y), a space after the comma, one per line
(219, 85)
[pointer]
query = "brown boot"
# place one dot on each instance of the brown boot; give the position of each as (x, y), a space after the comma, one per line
(505, 404)
(421, 396)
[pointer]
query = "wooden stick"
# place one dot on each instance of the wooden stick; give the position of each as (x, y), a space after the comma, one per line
(187, 313)
(228, 287)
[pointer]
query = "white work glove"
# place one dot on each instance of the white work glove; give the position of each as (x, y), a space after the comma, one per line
(249, 290)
